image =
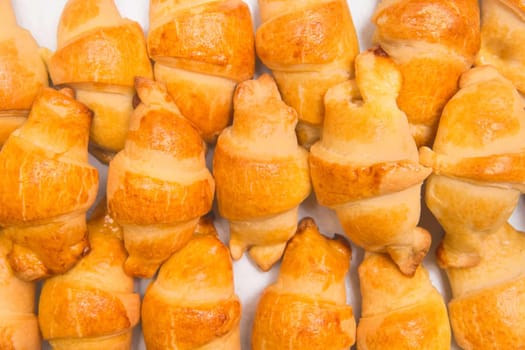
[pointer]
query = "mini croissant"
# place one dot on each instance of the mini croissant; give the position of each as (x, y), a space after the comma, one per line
(432, 42)
(306, 308)
(261, 173)
(192, 302)
(366, 165)
(479, 172)
(399, 312)
(47, 186)
(158, 185)
(202, 49)
(18, 322)
(22, 71)
(99, 54)
(309, 46)
(93, 305)
(502, 35)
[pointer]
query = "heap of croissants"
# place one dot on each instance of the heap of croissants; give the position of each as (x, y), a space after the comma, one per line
(437, 101)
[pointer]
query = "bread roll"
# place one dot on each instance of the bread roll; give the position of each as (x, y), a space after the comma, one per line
(306, 307)
(47, 186)
(22, 71)
(99, 53)
(158, 185)
(479, 174)
(399, 312)
(202, 49)
(18, 322)
(366, 164)
(261, 173)
(309, 46)
(93, 305)
(502, 34)
(432, 42)
(192, 302)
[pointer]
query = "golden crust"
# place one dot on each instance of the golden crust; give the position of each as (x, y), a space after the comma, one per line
(104, 56)
(491, 318)
(341, 183)
(306, 308)
(322, 33)
(18, 323)
(95, 298)
(490, 108)
(502, 29)
(250, 188)
(192, 302)
(309, 46)
(398, 311)
(194, 39)
(437, 22)
(422, 38)
(22, 70)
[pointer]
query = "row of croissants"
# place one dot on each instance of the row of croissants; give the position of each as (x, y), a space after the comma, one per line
(437, 100)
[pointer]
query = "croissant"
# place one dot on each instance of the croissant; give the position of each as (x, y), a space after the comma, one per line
(399, 312)
(18, 322)
(99, 53)
(261, 173)
(22, 70)
(201, 51)
(158, 185)
(309, 46)
(306, 307)
(366, 164)
(93, 305)
(47, 186)
(479, 172)
(502, 34)
(192, 303)
(432, 42)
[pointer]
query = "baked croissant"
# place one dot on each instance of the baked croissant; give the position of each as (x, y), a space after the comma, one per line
(432, 42)
(309, 46)
(478, 160)
(399, 312)
(47, 186)
(22, 71)
(306, 308)
(93, 305)
(192, 303)
(261, 173)
(502, 34)
(201, 51)
(158, 185)
(99, 53)
(18, 322)
(366, 165)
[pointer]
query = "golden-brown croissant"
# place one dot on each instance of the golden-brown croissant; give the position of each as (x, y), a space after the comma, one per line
(201, 51)
(18, 322)
(158, 185)
(99, 53)
(309, 46)
(432, 42)
(366, 165)
(22, 71)
(192, 303)
(399, 312)
(502, 35)
(93, 305)
(306, 308)
(261, 173)
(47, 186)
(478, 160)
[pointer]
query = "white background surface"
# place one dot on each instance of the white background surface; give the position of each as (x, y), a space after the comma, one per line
(41, 18)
